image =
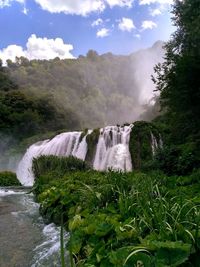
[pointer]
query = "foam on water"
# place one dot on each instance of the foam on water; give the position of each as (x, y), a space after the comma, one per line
(47, 249)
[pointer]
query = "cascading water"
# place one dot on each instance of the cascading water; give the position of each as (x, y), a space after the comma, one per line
(111, 150)
(64, 144)
(155, 144)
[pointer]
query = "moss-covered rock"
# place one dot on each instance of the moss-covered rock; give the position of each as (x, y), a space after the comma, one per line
(140, 144)
(92, 140)
(8, 178)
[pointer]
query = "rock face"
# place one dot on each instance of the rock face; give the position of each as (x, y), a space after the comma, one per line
(121, 148)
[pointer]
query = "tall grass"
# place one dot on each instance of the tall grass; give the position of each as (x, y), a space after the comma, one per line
(121, 219)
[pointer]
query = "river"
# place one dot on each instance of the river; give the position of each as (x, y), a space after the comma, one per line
(25, 240)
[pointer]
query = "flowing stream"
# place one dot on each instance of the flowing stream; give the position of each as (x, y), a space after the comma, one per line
(25, 240)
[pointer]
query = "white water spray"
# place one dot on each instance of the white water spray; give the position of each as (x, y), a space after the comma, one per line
(64, 144)
(113, 149)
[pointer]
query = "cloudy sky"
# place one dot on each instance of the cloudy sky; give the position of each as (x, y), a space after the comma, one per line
(44, 29)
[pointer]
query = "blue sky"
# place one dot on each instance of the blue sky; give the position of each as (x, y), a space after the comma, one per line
(44, 29)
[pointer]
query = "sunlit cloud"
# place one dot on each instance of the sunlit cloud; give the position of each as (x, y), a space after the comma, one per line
(162, 2)
(148, 24)
(103, 32)
(38, 48)
(121, 3)
(81, 7)
(4, 3)
(126, 24)
(97, 22)
(155, 12)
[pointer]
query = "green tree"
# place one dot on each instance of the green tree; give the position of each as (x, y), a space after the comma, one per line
(178, 78)
(5, 83)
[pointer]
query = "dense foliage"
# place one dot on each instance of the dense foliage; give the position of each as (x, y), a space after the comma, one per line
(22, 116)
(125, 219)
(178, 77)
(56, 166)
(178, 81)
(140, 144)
(96, 89)
(8, 179)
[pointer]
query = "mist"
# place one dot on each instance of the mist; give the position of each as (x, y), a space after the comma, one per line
(95, 90)
(9, 159)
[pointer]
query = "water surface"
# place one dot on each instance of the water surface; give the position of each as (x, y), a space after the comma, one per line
(25, 241)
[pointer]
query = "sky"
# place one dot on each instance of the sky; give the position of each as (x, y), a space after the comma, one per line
(45, 29)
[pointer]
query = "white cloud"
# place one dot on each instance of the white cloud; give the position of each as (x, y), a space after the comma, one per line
(10, 52)
(121, 3)
(126, 24)
(103, 32)
(43, 48)
(155, 12)
(149, 2)
(77, 7)
(4, 3)
(81, 7)
(97, 22)
(138, 36)
(38, 48)
(25, 11)
(148, 24)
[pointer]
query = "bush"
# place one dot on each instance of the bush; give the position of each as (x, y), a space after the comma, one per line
(57, 166)
(8, 178)
(177, 160)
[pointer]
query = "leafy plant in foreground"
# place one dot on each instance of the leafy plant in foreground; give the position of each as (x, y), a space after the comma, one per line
(125, 219)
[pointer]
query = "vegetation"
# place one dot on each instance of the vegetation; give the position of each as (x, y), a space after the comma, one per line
(143, 219)
(8, 178)
(39, 97)
(118, 219)
(87, 92)
(123, 219)
(140, 144)
(178, 77)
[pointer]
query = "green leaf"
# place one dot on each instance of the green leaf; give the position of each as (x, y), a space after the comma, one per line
(169, 253)
(75, 222)
(103, 229)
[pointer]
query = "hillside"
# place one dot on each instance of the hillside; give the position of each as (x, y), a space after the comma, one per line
(97, 89)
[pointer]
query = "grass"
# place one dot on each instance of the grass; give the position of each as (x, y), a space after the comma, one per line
(124, 219)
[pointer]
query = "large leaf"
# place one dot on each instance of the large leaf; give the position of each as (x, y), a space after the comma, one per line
(169, 253)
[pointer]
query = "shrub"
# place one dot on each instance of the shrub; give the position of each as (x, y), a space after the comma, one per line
(57, 166)
(178, 160)
(8, 178)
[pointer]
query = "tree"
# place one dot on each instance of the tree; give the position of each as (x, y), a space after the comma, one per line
(178, 78)
(5, 82)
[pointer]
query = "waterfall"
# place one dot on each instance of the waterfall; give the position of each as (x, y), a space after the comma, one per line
(82, 147)
(64, 144)
(110, 152)
(113, 149)
(155, 144)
